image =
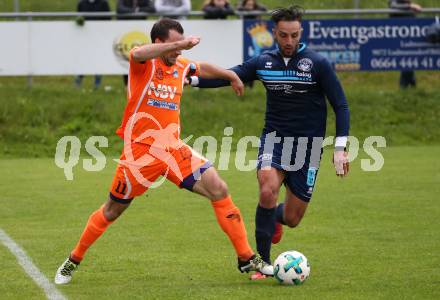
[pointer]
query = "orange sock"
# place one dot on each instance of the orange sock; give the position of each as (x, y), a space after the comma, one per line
(95, 227)
(230, 220)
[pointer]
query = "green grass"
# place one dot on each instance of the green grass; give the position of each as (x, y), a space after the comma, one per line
(369, 236)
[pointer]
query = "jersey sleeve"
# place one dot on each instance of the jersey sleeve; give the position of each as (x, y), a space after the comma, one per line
(138, 68)
(136, 72)
(336, 97)
(210, 83)
(247, 72)
(193, 69)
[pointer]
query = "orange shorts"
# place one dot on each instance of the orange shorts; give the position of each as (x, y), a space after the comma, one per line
(141, 164)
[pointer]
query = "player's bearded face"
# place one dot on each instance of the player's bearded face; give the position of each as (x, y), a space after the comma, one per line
(170, 58)
(287, 35)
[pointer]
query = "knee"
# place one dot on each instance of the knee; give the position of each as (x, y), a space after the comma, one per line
(293, 220)
(112, 211)
(111, 214)
(219, 190)
(268, 196)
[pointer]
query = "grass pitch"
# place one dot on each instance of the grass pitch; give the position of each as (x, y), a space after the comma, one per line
(369, 236)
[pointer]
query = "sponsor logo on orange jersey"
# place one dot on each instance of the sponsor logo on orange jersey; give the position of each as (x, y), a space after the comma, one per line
(163, 91)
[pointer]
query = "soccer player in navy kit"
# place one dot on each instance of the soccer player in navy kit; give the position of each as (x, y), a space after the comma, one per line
(297, 81)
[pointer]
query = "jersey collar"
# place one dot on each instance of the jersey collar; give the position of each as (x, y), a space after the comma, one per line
(301, 47)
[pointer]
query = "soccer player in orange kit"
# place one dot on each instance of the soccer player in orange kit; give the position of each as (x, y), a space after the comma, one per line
(152, 147)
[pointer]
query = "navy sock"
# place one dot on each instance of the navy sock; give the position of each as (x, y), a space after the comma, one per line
(264, 228)
(279, 213)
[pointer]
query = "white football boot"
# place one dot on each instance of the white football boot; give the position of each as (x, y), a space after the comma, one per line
(65, 271)
(255, 263)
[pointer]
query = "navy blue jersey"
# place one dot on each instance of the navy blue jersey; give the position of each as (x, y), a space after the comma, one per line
(295, 93)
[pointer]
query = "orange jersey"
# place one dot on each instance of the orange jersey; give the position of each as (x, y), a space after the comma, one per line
(154, 91)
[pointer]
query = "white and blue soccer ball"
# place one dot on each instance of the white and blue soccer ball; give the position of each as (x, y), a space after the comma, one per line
(291, 267)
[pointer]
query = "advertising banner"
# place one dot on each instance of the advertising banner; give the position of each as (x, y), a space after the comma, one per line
(102, 47)
(357, 44)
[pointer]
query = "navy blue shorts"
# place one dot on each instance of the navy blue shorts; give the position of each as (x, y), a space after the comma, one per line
(299, 158)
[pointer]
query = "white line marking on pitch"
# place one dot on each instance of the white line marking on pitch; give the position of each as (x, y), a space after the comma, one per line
(28, 266)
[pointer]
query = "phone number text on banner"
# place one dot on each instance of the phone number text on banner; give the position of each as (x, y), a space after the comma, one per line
(357, 45)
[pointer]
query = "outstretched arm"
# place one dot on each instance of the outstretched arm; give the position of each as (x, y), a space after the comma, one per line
(246, 72)
(149, 51)
(208, 83)
(210, 71)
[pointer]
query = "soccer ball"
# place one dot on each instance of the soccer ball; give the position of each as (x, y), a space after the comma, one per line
(291, 267)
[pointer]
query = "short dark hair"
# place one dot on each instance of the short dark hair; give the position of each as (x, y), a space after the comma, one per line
(161, 29)
(292, 13)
